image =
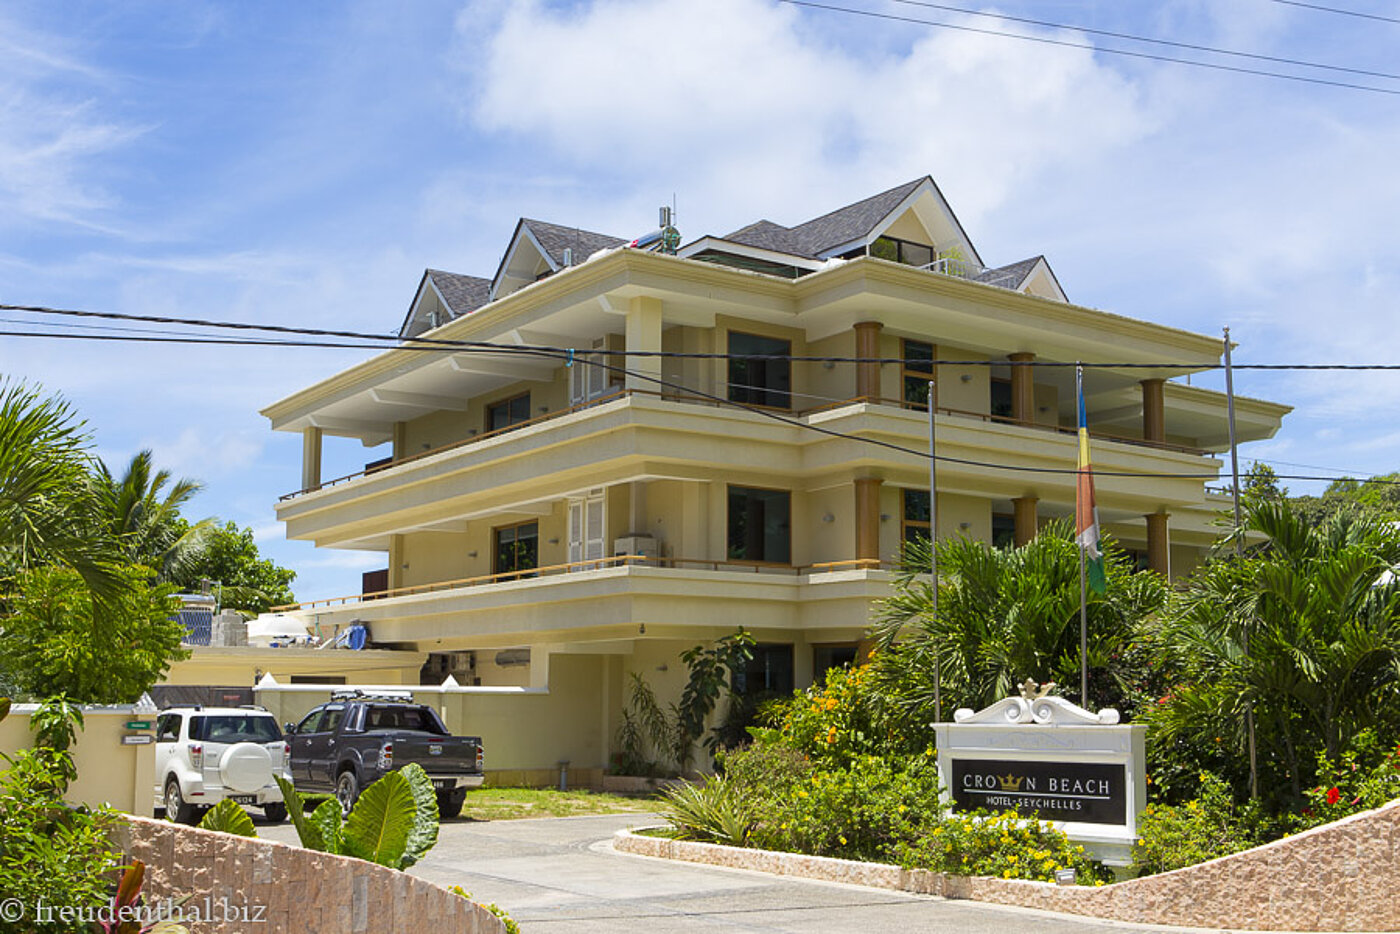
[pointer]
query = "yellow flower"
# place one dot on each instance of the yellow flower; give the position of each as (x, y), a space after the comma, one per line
(842, 839)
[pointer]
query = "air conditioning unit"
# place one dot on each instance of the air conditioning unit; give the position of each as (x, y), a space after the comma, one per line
(645, 546)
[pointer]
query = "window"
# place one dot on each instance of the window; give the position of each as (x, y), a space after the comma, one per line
(1001, 398)
(168, 728)
(827, 657)
(760, 525)
(311, 723)
(517, 548)
(916, 515)
(235, 728)
(1003, 530)
(508, 412)
(767, 672)
(918, 370)
(902, 251)
(587, 526)
(759, 381)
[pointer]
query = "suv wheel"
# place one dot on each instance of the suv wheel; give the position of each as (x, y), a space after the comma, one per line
(347, 790)
(276, 813)
(175, 807)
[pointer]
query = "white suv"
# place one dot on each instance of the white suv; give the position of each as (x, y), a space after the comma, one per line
(206, 754)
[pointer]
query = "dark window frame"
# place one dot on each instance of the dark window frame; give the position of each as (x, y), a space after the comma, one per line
(906, 252)
(730, 492)
(995, 385)
(910, 528)
(496, 551)
(757, 388)
(505, 407)
(914, 379)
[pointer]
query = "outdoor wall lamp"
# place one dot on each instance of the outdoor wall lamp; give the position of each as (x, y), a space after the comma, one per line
(828, 518)
(471, 554)
(966, 377)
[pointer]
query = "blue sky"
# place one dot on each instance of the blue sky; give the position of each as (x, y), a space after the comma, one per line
(302, 163)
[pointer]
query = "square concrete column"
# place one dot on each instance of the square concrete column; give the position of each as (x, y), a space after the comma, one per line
(311, 458)
(1026, 526)
(867, 491)
(643, 333)
(1158, 544)
(868, 347)
(1022, 388)
(1154, 411)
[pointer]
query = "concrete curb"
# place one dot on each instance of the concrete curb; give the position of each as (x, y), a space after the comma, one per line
(1245, 891)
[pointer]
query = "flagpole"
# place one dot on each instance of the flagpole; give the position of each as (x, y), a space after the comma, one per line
(1083, 596)
(933, 560)
(1239, 550)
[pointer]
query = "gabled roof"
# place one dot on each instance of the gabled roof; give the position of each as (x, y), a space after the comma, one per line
(555, 239)
(1015, 275)
(459, 294)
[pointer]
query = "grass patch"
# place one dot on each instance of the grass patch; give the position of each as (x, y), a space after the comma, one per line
(516, 803)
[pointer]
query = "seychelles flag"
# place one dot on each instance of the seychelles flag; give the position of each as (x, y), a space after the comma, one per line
(1086, 511)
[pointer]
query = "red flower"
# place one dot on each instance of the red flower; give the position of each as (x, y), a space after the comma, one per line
(1333, 795)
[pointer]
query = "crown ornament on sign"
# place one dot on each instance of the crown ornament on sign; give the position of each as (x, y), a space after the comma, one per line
(1010, 782)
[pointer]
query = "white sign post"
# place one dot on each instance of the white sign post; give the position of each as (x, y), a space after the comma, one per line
(1044, 757)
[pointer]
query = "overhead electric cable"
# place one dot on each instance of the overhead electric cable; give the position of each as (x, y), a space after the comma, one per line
(394, 342)
(1064, 43)
(1340, 12)
(1148, 39)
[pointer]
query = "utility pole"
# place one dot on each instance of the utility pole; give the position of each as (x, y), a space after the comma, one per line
(1239, 550)
(933, 558)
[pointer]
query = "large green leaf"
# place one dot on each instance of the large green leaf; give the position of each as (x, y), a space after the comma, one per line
(229, 817)
(378, 827)
(328, 823)
(307, 830)
(423, 837)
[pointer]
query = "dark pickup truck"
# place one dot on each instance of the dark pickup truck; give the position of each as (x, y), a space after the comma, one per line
(343, 746)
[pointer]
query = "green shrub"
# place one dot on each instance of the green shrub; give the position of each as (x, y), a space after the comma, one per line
(1366, 777)
(1204, 828)
(50, 853)
(713, 811)
(846, 718)
(1006, 845)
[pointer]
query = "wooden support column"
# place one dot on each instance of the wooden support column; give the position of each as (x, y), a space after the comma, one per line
(868, 517)
(311, 458)
(1022, 389)
(1154, 411)
(1026, 526)
(643, 333)
(867, 347)
(1158, 547)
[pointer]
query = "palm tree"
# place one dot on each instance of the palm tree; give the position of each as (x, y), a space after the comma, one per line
(46, 510)
(143, 516)
(1005, 615)
(1320, 610)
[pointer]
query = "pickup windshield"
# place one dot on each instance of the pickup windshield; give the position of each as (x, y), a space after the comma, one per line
(233, 728)
(412, 719)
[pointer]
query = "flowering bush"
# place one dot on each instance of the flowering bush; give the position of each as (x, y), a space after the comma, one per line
(846, 718)
(1206, 827)
(1005, 845)
(1367, 776)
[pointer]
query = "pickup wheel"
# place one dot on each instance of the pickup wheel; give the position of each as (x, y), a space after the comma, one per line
(175, 807)
(347, 790)
(276, 813)
(450, 802)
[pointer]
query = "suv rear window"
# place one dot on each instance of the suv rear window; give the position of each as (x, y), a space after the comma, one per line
(234, 728)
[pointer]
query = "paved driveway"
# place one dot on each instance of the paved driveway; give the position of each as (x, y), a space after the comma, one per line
(562, 875)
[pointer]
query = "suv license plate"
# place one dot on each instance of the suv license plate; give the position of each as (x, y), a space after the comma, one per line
(243, 799)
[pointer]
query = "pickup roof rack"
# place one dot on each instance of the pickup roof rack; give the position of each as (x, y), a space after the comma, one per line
(402, 697)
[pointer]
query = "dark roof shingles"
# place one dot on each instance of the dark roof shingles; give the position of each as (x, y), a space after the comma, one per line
(463, 294)
(815, 236)
(555, 239)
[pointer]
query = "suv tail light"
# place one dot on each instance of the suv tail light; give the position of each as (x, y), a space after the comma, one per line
(286, 753)
(386, 757)
(197, 757)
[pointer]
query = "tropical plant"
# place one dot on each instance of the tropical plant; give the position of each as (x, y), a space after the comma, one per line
(143, 517)
(646, 736)
(55, 725)
(45, 504)
(228, 817)
(1304, 629)
(711, 672)
(247, 581)
(124, 915)
(1009, 614)
(59, 639)
(394, 823)
(50, 853)
(711, 810)
(511, 926)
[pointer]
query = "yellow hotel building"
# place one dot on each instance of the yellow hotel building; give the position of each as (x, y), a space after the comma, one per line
(553, 525)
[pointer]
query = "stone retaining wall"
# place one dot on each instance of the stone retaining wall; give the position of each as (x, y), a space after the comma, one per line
(1338, 877)
(237, 879)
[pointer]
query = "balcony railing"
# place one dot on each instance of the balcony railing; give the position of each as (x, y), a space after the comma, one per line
(595, 564)
(387, 464)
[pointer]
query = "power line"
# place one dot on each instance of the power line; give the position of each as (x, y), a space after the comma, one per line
(1135, 38)
(1046, 40)
(394, 342)
(1338, 11)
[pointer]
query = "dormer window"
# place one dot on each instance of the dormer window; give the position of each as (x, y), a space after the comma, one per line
(907, 252)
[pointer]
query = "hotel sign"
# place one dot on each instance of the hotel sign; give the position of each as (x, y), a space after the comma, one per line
(1088, 792)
